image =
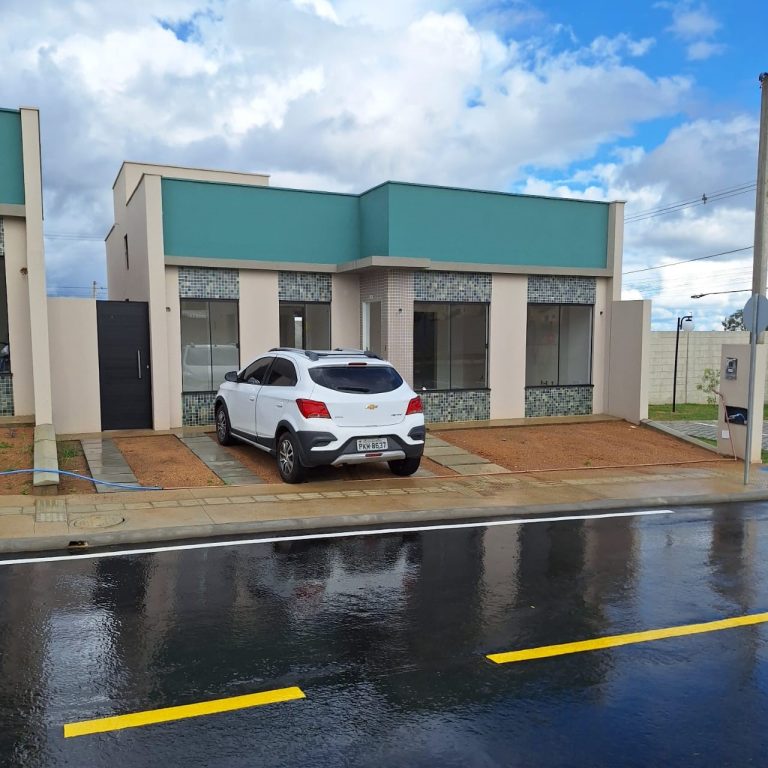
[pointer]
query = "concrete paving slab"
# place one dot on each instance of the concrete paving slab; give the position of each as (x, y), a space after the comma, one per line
(469, 458)
(479, 469)
(448, 450)
(220, 461)
(15, 526)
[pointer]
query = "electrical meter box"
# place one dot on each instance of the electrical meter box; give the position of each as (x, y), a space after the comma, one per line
(731, 367)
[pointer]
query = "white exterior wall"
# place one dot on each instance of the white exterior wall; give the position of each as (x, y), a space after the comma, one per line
(601, 327)
(75, 362)
(173, 335)
(627, 394)
(345, 311)
(19, 330)
(698, 351)
(259, 309)
(506, 345)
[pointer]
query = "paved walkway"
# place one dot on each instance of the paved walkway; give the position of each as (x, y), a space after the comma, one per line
(220, 461)
(704, 429)
(105, 462)
(460, 461)
(45, 523)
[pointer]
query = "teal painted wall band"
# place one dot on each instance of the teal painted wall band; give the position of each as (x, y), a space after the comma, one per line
(229, 221)
(11, 158)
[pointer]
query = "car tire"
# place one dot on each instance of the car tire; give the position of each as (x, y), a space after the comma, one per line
(223, 427)
(289, 459)
(404, 467)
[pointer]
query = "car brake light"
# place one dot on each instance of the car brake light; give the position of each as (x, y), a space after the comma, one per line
(312, 409)
(414, 406)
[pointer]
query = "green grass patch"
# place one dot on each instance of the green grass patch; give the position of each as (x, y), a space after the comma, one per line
(688, 412)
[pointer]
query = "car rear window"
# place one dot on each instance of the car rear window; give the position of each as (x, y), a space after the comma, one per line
(367, 380)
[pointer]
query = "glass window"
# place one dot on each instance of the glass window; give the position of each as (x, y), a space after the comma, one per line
(450, 346)
(305, 325)
(558, 345)
(368, 379)
(282, 374)
(209, 343)
(256, 372)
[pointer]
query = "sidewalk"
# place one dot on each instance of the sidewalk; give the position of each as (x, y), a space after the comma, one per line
(45, 523)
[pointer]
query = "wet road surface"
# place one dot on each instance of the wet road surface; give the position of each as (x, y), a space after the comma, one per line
(387, 636)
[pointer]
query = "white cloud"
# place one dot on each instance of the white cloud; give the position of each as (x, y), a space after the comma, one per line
(704, 50)
(343, 95)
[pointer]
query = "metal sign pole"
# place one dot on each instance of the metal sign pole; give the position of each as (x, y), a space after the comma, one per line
(751, 395)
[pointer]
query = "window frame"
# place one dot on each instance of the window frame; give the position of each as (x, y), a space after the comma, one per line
(303, 304)
(560, 305)
(236, 302)
(450, 304)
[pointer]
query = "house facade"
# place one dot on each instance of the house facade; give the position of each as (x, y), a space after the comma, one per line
(491, 305)
(25, 368)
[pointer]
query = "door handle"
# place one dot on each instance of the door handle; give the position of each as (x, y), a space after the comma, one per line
(138, 361)
(252, 398)
(278, 405)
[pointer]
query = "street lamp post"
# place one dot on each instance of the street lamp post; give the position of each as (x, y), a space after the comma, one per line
(684, 323)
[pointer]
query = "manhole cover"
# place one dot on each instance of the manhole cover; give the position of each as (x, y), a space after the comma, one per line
(98, 521)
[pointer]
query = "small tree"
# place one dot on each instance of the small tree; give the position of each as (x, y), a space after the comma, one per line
(709, 383)
(734, 321)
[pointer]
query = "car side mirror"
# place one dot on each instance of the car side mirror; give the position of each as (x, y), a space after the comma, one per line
(231, 376)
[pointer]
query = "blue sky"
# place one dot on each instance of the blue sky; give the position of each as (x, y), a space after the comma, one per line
(650, 102)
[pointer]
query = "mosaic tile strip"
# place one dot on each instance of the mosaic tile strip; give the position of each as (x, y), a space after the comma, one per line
(558, 401)
(197, 408)
(2, 238)
(458, 405)
(452, 286)
(551, 289)
(209, 283)
(303, 286)
(6, 395)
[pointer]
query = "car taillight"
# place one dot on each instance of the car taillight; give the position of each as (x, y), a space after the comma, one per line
(313, 409)
(414, 406)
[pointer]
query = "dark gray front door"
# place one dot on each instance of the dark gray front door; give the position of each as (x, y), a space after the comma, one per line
(125, 375)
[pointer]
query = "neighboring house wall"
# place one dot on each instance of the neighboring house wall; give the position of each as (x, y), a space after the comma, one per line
(345, 311)
(698, 351)
(75, 365)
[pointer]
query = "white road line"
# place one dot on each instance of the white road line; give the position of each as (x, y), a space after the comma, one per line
(331, 535)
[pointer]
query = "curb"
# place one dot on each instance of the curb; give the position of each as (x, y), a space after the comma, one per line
(407, 517)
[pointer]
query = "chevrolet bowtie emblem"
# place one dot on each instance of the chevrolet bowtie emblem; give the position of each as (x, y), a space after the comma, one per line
(371, 406)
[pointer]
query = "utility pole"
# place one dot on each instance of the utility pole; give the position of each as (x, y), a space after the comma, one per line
(759, 266)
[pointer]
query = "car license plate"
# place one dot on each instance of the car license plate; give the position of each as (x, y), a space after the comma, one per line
(379, 444)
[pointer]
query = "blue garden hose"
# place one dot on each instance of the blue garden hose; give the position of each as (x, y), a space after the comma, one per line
(124, 486)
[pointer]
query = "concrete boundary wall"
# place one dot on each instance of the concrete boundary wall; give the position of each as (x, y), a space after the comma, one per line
(698, 351)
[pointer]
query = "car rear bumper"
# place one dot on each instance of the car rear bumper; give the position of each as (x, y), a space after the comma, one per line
(314, 454)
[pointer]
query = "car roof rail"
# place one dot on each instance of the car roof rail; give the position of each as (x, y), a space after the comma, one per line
(307, 352)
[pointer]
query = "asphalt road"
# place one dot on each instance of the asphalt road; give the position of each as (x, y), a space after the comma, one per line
(387, 636)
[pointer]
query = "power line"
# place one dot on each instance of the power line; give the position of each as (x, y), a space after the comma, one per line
(71, 236)
(687, 261)
(703, 200)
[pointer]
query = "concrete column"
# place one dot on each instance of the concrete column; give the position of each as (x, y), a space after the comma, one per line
(399, 322)
(506, 345)
(615, 254)
(259, 313)
(345, 311)
(33, 203)
(158, 333)
(173, 331)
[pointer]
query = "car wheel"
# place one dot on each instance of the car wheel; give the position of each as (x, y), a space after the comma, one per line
(223, 432)
(288, 459)
(404, 467)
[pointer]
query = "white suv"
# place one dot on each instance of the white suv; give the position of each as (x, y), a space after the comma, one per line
(311, 408)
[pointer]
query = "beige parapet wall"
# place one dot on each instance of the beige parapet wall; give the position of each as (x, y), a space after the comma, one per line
(699, 350)
(627, 391)
(74, 365)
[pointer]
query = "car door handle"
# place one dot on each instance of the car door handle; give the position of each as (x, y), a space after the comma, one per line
(278, 405)
(252, 398)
